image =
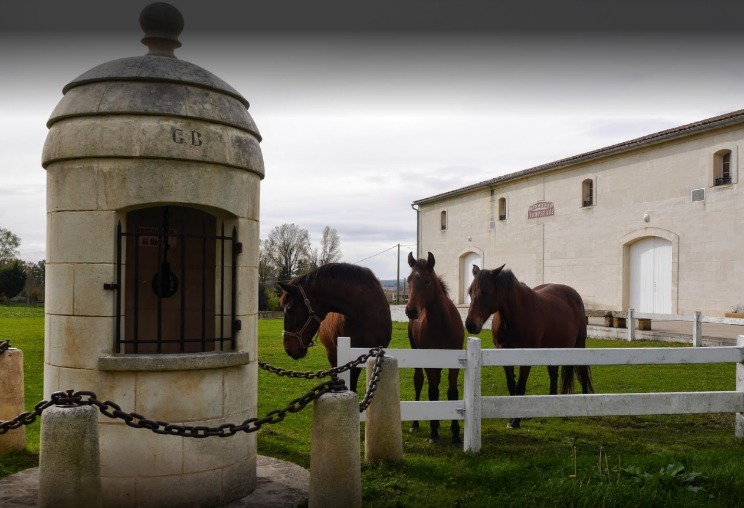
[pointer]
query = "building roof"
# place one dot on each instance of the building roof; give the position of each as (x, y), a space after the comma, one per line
(708, 124)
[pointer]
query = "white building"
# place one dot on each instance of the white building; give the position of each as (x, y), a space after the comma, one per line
(655, 223)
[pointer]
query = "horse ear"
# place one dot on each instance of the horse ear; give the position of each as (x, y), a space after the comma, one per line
(475, 270)
(411, 259)
(497, 271)
(284, 286)
(430, 261)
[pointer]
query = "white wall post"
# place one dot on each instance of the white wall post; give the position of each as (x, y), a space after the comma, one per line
(383, 437)
(472, 397)
(631, 325)
(335, 468)
(69, 462)
(343, 356)
(697, 330)
(12, 399)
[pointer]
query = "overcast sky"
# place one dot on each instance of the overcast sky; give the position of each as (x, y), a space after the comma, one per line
(365, 107)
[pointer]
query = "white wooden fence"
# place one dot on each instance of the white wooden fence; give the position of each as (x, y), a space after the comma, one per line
(696, 319)
(473, 408)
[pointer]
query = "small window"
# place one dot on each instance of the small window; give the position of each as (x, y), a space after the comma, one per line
(502, 208)
(443, 220)
(587, 192)
(722, 171)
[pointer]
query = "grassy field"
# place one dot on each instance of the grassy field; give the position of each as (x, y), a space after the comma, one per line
(686, 460)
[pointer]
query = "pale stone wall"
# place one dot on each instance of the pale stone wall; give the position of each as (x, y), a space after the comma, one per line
(587, 247)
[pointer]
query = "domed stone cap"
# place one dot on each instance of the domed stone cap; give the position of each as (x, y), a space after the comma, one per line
(156, 83)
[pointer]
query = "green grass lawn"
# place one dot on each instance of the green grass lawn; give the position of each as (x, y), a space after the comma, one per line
(684, 460)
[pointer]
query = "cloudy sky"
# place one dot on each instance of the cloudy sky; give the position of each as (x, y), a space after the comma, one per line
(365, 107)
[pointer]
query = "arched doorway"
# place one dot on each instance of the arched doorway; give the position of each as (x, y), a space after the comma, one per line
(467, 261)
(650, 276)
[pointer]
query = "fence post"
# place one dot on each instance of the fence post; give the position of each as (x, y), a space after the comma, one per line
(740, 386)
(69, 463)
(12, 399)
(697, 330)
(631, 325)
(472, 397)
(383, 437)
(335, 469)
(343, 356)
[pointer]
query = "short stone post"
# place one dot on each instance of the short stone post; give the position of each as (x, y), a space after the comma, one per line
(12, 399)
(69, 463)
(383, 437)
(697, 331)
(335, 468)
(631, 325)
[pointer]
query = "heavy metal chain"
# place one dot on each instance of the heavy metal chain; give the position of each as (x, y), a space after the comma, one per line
(4, 346)
(374, 379)
(333, 372)
(376, 352)
(113, 410)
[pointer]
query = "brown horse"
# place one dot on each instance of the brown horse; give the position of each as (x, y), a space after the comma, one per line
(549, 316)
(434, 323)
(335, 300)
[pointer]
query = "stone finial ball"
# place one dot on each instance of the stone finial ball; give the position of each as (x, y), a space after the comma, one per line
(161, 22)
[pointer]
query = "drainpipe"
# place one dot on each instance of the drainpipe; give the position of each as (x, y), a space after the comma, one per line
(418, 229)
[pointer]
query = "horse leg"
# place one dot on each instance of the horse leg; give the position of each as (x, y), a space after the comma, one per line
(510, 384)
(433, 377)
(354, 378)
(418, 384)
(553, 375)
(453, 394)
(524, 374)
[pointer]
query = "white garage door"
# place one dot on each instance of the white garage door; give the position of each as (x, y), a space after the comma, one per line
(651, 276)
(468, 261)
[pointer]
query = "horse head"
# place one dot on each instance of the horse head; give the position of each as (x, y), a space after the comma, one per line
(423, 285)
(301, 323)
(485, 297)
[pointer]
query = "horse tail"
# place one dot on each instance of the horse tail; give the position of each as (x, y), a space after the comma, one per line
(583, 374)
(585, 378)
(567, 379)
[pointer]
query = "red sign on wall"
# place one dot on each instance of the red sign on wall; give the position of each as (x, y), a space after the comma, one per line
(541, 209)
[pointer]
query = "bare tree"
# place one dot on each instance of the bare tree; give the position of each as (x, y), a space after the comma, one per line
(330, 246)
(288, 247)
(9, 244)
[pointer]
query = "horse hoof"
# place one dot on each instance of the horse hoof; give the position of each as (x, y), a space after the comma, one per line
(456, 442)
(512, 425)
(433, 440)
(413, 429)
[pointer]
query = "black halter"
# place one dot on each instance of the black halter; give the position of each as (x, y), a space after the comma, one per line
(312, 316)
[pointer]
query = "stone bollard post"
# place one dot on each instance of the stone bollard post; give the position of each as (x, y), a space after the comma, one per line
(383, 437)
(12, 399)
(69, 464)
(335, 469)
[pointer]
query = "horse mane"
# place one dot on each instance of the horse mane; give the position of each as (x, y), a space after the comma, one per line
(506, 281)
(340, 274)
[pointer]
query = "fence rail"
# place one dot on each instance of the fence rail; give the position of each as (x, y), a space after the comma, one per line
(473, 408)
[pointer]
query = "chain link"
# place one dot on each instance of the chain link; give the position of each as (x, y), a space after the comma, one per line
(112, 410)
(4, 346)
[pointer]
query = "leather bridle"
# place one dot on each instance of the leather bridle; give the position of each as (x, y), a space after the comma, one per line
(312, 316)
